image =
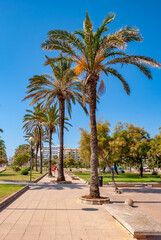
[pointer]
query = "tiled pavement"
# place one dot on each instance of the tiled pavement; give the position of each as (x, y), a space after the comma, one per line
(47, 211)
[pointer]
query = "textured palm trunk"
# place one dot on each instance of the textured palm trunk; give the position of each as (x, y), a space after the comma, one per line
(94, 187)
(37, 147)
(40, 150)
(61, 128)
(50, 137)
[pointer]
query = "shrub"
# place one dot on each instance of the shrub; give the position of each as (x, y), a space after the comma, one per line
(28, 169)
(154, 173)
(25, 171)
(16, 169)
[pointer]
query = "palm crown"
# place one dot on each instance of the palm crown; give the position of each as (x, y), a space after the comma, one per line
(63, 85)
(96, 52)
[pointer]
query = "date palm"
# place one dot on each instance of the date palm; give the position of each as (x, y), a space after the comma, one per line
(34, 133)
(32, 119)
(95, 53)
(63, 87)
(50, 119)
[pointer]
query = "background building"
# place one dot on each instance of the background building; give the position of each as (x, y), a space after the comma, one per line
(55, 151)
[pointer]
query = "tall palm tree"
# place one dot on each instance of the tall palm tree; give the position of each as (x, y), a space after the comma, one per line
(32, 119)
(50, 120)
(95, 53)
(63, 87)
(34, 133)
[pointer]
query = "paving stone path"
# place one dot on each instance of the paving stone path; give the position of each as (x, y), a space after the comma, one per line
(47, 211)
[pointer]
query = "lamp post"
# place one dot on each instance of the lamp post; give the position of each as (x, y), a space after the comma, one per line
(31, 141)
(42, 161)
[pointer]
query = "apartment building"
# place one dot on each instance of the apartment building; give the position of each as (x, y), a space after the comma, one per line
(55, 151)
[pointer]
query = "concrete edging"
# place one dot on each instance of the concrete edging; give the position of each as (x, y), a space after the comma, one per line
(13, 196)
(81, 179)
(38, 179)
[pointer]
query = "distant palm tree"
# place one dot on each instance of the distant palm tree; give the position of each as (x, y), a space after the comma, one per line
(32, 119)
(34, 133)
(63, 87)
(94, 53)
(50, 120)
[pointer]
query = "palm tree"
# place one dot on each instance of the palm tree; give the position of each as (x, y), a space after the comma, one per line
(63, 87)
(95, 53)
(1, 130)
(34, 133)
(32, 119)
(50, 120)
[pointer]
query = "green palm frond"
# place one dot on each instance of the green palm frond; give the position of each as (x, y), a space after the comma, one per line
(115, 73)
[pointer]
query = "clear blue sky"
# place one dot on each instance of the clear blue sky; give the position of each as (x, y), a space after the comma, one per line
(24, 25)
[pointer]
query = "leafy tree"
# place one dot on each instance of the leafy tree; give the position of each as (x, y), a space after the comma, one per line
(63, 87)
(21, 158)
(22, 154)
(3, 155)
(131, 144)
(32, 119)
(94, 53)
(154, 153)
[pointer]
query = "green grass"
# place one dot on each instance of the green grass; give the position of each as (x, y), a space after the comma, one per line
(7, 189)
(122, 177)
(9, 174)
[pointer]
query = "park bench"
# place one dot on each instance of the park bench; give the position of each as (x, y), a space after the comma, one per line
(137, 223)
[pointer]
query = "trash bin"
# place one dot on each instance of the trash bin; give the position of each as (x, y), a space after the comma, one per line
(100, 181)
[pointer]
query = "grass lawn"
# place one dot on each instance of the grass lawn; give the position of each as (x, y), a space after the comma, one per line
(9, 174)
(122, 177)
(7, 189)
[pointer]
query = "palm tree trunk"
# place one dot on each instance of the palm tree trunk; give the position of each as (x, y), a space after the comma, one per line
(40, 150)
(36, 158)
(61, 128)
(50, 137)
(94, 187)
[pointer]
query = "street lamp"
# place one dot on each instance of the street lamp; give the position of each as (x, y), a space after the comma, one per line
(42, 161)
(31, 139)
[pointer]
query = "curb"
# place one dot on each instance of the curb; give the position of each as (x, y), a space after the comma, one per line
(38, 179)
(13, 196)
(81, 179)
(26, 182)
(3, 170)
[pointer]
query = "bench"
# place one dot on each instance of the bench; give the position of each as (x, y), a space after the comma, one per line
(137, 223)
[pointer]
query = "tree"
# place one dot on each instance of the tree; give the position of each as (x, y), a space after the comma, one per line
(154, 153)
(50, 119)
(131, 144)
(63, 87)
(105, 148)
(21, 158)
(22, 154)
(3, 155)
(94, 53)
(34, 133)
(32, 119)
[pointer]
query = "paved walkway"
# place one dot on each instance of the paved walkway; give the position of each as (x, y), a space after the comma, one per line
(47, 211)
(146, 199)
